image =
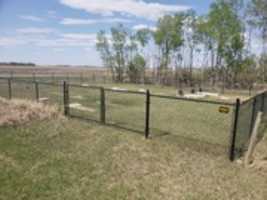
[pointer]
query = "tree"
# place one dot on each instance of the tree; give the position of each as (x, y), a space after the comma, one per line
(258, 18)
(263, 67)
(121, 53)
(258, 12)
(248, 74)
(143, 36)
(136, 63)
(191, 39)
(207, 38)
(103, 47)
(136, 68)
(168, 37)
(119, 39)
(225, 35)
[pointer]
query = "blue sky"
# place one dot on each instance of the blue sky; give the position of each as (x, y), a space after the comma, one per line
(63, 31)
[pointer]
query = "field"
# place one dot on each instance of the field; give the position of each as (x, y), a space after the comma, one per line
(199, 122)
(186, 156)
(71, 159)
(102, 76)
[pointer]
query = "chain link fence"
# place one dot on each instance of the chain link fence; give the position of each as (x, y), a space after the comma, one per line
(125, 109)
(4, 91)
(193, 120)
(212, 125)
(246, 118)
(84, 102)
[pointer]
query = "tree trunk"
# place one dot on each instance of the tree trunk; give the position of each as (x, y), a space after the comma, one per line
(191, 66)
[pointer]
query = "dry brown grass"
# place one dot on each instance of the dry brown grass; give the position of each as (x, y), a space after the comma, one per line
(17, 112)
(260, 157)
(80, 160)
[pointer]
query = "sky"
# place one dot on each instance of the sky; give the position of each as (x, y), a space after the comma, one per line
(51, 32)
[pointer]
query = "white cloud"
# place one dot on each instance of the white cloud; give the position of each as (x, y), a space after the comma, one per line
(138, 8)
(41, 38)
(144, 26)
(76, 21)
(63, 43)
(68, 40)
(79, 36)
(34, 30)
(11, 41)
(31, 18)
(58, 50)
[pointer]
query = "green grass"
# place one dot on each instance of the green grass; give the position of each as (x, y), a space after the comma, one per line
(72, 159)
(197, 121)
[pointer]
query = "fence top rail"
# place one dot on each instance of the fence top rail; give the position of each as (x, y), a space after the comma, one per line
(194, 100)
(85, 86)
(134, 92)
(31, 81)
(124, 91)
(253, 97)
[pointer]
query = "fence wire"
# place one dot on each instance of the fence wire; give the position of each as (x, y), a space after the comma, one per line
(244, 125)
(126, 110)
(84, 102)
(51, 93)
(246, 120)
(23, 90)
(191, 120)
(4, 88)
(195, 120)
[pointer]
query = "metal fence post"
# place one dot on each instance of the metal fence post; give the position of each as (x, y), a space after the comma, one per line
(102, 106)
(37, 94)
(147, 114)
(9, 88)
(66, 98)
(11, 75)
(33, 77)
(53, 77)
(81, 78)
(253, 115)
(234, 130)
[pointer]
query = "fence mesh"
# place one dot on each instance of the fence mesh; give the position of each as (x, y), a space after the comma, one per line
(4, 88)
(194, 120)
(191, 120)
(23, 90)
(126, 110)
(246, 120)
(244, 126)
(84, 102)
(51, 93)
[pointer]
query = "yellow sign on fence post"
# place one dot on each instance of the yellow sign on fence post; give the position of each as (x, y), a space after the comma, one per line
(224, 109)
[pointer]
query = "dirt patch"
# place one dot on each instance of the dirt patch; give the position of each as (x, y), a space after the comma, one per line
(17, 112)
(81, 107)
(78, 97)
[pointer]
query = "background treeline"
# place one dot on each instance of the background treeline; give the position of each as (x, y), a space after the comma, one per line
(17, 64)
(225, 48)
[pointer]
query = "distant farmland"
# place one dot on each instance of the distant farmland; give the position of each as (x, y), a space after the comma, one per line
(56, 70)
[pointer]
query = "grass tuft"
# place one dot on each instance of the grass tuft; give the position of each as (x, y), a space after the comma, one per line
(18, 112)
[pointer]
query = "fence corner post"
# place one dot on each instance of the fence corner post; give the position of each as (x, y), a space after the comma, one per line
(147, 114)
(10, 88)
(66, 98)
(102, 105)
(234, 131)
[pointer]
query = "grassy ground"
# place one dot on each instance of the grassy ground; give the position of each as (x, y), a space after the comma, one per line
(71, 159)
(197, 121)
